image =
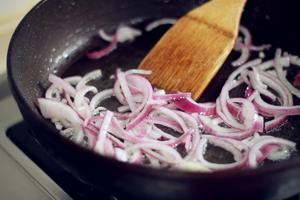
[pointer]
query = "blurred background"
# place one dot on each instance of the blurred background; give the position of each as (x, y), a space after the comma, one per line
(11, 12)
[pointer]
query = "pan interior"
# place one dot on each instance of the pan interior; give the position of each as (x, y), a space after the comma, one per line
(63, 51)
(129, 55)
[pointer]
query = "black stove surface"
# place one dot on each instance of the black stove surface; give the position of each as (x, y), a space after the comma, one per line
(21, 136)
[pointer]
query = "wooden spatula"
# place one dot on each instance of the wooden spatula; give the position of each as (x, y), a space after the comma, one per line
(191, 52)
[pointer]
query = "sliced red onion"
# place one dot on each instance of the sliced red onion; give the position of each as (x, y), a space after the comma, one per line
(62, 84)
(121, 155)
(239, 157)
(193, 166)
(127, 33)
(191, 122)
(122, 109)
(54, 91)
(94, 131)
(153, 133)
(182, 139)
(143, 87)
(213, 128)
(239, 45)
(104, 36)
(99, 147)
(297, 79)
(172, 97)
(119, 132)
(131, 134)
(164, 152)
(265, 151)
(56, 110)
(104, 51)
(247, 34)
(247, 112)
(91, 135)
(140, 117)
(245, 51)
(295, 60)
(108, 148)
(260, 48)
(99, 97)
(253, 63)
(164, 121)
(73, 80)
(138, 71)
(245, 47)
(190, 106)
(257, 84)
(284, 94)
(118, 93)
(136, 157)
(279, 63)
(81, 103)
(146, 89)
(276, 110)
(172, 115)
(79, 136)
(245, 54)
(262, 142)
(124, 86)
(93, 75)
(157, 23)
(188, 143)
(276, 122)
(58, 124)
(79, 98)
(222, 108)
(123, 34)
(265, 65)
(228, 117)
(279, 153)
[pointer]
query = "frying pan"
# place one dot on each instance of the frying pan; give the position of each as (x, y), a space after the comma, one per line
(54, 37)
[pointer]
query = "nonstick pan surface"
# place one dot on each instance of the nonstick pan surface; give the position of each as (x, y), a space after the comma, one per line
(54, 37)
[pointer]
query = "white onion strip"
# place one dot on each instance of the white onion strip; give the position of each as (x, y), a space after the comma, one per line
(157, 23)
(279, 63)
(167, 154)
(99, 147)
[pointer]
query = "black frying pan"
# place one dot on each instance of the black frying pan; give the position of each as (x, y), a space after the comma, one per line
(54, 37)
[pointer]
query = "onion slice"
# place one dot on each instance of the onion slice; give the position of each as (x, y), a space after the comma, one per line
(240, 155)
(56, 110)
(263, 142)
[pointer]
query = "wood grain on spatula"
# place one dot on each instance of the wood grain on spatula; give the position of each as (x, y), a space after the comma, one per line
(191, 52)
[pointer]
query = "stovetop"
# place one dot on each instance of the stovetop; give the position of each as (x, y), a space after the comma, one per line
(22, 137)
